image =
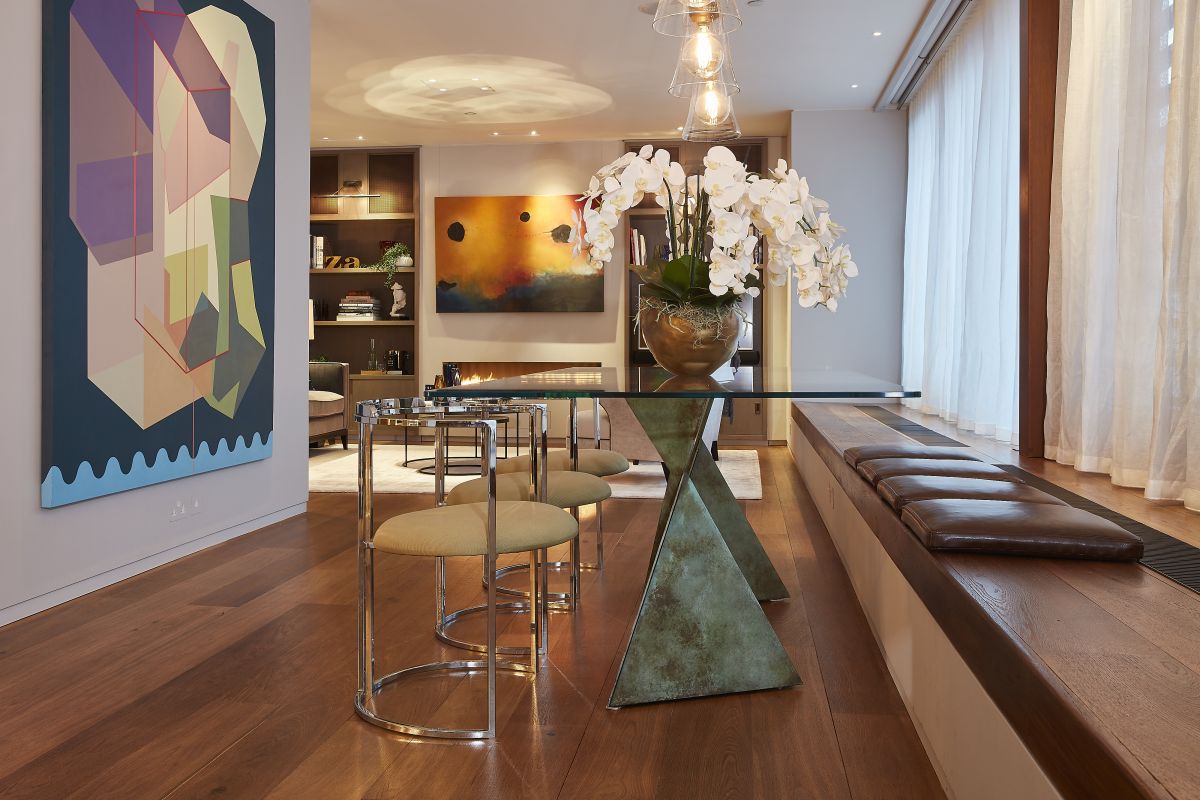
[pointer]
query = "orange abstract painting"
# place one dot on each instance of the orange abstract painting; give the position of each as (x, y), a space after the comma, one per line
(512, 254)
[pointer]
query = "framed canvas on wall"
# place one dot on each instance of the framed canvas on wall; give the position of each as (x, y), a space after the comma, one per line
(158, 242)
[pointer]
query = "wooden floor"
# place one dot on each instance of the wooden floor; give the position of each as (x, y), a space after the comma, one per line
(230, 673)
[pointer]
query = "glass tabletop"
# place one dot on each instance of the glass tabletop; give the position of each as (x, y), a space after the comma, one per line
(755, 382)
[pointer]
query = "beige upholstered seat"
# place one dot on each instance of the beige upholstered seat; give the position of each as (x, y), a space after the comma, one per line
(600, 463)
(462, 530)
(563, 489)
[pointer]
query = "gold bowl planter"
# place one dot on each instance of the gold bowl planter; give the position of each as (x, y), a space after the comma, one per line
(689, 340)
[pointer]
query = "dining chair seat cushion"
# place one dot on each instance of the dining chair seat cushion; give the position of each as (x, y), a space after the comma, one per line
(563, 489)
(600, 463)
(461, 530)
(878, 469)
(904, 489)
(1021, 529)
(855, 455)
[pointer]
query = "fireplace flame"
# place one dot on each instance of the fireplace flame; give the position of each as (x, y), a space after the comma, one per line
(477, 378)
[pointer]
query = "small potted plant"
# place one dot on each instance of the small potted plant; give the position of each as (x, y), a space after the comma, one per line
(396, 257)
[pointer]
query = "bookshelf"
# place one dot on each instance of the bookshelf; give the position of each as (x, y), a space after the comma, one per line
(361, 200)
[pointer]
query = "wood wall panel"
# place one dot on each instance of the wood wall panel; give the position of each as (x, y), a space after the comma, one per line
(1039, 74)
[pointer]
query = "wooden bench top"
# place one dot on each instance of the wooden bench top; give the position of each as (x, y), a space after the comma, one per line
(1095, 665)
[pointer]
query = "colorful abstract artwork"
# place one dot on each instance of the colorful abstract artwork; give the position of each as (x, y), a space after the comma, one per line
(512, 254)
(158, 242)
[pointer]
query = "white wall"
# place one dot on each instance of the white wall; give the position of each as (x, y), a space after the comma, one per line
(857, 160)
(49, 556)
(516, 169)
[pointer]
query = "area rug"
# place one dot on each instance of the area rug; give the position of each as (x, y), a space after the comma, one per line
(333, 469)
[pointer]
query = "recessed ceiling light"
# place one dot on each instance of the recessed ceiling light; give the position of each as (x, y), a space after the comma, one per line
(324, 138)
(495, 133)
(854, 86)
(485, 88)
(443, 89)
(362, 138)
(533, 133)
(877, 33)
(474, 79)
(679, 128)
(432, 80)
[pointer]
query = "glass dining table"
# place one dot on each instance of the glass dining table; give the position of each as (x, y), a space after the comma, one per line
(700, 629)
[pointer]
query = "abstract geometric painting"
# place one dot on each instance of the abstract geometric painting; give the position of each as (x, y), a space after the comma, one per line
(512, 254)
(158, 242)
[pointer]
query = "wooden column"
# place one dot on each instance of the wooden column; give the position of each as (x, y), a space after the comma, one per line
(1039, 74)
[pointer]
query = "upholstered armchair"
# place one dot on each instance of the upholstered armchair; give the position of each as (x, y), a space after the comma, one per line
(328, 401)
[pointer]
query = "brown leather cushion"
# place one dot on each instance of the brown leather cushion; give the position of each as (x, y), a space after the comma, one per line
(905, 489)
(856, 455)
(880, 468)
(325, 404)
(1019, 529)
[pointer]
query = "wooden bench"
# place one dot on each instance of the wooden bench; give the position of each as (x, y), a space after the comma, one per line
(1026, 677)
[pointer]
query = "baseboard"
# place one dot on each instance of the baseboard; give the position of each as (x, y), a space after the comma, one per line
(53, 598)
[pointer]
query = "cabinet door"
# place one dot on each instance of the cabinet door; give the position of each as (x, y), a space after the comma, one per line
(325, 180)
(390, 175)
(749, 420)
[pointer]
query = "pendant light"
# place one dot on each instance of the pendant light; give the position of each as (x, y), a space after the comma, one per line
(684, 82)
(710, 114)
(683, 18)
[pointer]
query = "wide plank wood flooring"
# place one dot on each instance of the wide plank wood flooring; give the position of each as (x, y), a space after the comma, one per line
(231, 673)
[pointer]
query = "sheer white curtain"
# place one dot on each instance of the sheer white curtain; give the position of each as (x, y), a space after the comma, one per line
(1120, 398)
(961, 232)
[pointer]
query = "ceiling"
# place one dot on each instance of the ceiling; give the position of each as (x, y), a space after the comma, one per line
(409, 72)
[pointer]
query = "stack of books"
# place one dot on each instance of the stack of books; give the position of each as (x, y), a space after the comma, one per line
(316, 252)
(359, 306)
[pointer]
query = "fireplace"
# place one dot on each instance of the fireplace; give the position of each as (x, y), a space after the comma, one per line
(476, 371)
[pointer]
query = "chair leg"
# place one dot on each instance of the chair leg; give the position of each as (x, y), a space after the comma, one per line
(345, 441)
(576, 558)
(366, 626)
(600, 535)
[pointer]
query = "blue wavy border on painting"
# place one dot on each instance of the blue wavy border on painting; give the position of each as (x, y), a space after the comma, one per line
(56, 492)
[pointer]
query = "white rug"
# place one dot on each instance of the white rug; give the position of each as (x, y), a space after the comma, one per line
(332, 469)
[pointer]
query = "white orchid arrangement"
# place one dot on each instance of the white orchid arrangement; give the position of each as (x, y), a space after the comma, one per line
(714, 221)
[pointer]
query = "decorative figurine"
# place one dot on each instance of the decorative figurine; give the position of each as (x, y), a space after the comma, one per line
(399, 301)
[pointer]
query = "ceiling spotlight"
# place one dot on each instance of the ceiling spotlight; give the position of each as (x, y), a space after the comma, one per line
(432, 80)
(495, 133)
(877, 33)
(443, 89)
(533, 133)
(324, 138)
(474, 79)
(854, 86)
(485, 88)
(362, 138)
(679, 128)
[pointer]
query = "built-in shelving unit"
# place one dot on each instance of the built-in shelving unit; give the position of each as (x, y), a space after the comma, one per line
(361, 201)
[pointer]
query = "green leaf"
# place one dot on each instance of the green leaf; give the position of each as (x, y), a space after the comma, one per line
(677, 274)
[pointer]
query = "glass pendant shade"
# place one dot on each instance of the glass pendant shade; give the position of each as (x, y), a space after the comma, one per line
(710, 115)
(683, 17)
(684, 83)
(703, 54)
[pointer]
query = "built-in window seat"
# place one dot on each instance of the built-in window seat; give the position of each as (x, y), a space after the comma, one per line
(1026, 677)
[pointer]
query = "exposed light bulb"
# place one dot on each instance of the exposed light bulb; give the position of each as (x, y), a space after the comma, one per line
(703, 54)
(712, 104)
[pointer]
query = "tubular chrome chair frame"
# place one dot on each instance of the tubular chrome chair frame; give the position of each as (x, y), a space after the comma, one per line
(368, 415)
(539, 447)
(539, 467)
